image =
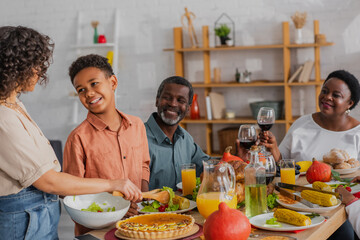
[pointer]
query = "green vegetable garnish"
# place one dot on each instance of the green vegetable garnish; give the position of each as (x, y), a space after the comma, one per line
(240, 204)
(273, 222)
(337, 177)
(173, 207)
(155, 204)
(149, 209)
(312, 215)
(171, 193)
(196, 189)
(94, 207)
(271, 200)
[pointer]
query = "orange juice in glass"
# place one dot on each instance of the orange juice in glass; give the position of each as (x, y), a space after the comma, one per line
(287, 171)
(188, 177)
(207, 203)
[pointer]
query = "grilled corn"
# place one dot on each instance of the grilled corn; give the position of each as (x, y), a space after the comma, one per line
(292, 217)
(321, 186)
(322, 199)
(184, 203)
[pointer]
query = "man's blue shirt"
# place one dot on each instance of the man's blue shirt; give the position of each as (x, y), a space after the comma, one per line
(166, 157)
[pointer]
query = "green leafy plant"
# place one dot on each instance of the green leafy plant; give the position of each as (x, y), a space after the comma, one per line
(222, 31)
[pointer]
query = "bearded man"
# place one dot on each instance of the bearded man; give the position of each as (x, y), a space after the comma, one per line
(170, 145)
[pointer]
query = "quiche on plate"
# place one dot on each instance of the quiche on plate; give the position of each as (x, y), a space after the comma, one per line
(155, 226)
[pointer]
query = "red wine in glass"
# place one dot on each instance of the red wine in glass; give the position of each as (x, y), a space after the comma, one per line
(265, 126)
(247, 144)
(269, 178)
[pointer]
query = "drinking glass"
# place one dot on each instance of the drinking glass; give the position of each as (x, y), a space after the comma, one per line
(265, 119)
(270, 166)
(247, 136)
(188, 177)
(287, 171)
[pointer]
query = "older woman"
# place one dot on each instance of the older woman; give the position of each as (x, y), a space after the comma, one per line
(316, 134)
(29, 170)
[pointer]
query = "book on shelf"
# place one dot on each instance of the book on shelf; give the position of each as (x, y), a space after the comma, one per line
(208, 108)
(306, 72)
(217, 101)
(295, 75)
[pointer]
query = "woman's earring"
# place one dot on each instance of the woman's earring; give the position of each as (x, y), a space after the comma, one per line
(347, 111)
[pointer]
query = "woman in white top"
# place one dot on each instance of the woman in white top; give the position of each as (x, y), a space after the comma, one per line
(30, 174)
(316, 134)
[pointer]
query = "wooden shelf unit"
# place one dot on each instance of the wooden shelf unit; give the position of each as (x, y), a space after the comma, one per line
(207, 85)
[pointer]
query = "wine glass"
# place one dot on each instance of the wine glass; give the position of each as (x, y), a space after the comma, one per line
(247, 136)
(270, 167)
(265, 119)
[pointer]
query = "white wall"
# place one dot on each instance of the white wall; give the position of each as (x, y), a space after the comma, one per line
(146, 29)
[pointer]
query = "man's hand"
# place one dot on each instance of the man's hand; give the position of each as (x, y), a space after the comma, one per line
(356, 179)
(133, 210)
(346, 195)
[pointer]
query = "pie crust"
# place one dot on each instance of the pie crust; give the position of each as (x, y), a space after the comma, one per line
(155, 226)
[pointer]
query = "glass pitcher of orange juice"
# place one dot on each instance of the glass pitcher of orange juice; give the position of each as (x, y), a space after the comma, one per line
(218, 185)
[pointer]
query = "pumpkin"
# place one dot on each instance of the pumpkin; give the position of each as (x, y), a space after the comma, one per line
(318, 171)
(227, 156)
(227, 223)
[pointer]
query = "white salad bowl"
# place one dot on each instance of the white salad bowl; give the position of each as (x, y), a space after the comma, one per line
(96, 220)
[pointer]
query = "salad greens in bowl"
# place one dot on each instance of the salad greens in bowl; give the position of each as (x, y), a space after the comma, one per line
(96, 211)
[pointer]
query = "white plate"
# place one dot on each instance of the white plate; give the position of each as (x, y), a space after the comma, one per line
(179, 185)
(192, 206)
(346, 171)
(301, 207)
(354, 189)
(259, 221)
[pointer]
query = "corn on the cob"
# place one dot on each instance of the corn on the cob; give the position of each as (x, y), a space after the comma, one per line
(319, 198)
(184, 203)
(321, 186)
(292, 217)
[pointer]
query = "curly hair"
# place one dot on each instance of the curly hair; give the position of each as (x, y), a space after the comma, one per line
(351, 81)
(91, 60)
(23, 53)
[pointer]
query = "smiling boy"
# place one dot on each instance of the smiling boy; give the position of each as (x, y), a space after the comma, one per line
(108, 144)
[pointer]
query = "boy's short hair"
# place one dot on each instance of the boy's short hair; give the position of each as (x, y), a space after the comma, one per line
(177, 80)
(91, 60)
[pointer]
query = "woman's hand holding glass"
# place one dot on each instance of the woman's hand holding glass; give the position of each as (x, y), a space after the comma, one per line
(265, 119)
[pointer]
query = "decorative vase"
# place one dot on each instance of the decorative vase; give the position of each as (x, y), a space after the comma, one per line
(96, 36)
(194, 110)
(298, 36)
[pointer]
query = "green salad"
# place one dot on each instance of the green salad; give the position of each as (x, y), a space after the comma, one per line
(94, 207)
(155, 206)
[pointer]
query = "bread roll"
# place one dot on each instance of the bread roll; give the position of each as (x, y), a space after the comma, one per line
(342, 166)
(336, 156)
(354, 163)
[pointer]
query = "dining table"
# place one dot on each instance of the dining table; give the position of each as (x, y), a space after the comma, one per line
(334, 219)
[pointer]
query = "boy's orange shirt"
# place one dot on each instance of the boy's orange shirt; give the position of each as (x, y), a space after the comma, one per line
(94, 151)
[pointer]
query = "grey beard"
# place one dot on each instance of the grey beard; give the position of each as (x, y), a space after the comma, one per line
(169, 121)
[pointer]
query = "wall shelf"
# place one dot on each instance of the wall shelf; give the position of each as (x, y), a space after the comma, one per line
(207, 85)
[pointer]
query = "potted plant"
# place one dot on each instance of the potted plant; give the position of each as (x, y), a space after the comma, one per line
(223, 33)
